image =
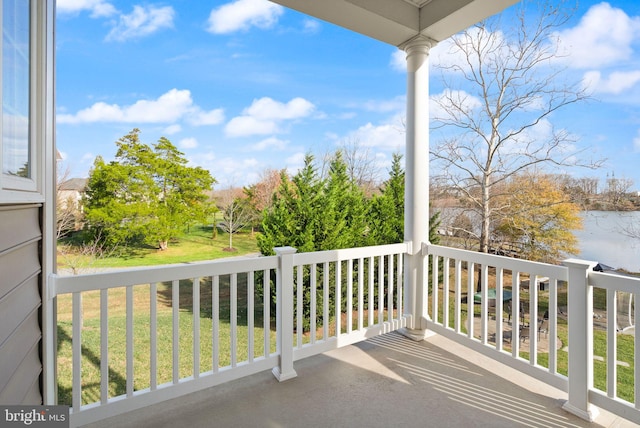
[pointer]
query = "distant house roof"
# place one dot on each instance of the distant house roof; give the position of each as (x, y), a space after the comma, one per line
(77, 184)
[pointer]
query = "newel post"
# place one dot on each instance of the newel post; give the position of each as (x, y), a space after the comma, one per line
(284, 313)
(580, 322)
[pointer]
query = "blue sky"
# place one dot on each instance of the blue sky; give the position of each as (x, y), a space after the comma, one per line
(241, 86)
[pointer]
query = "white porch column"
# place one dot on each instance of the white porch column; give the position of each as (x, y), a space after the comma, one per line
(416, 199)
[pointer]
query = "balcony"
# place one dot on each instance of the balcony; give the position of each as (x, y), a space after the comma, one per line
(131, 352)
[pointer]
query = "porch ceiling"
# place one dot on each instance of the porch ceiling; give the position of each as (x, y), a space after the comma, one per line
(396, 21)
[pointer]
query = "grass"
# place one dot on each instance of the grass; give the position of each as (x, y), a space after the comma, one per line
(194, 245)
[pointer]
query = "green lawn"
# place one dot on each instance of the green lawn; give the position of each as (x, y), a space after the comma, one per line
(195, 245)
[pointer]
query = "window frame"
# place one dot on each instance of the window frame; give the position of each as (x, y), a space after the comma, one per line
(31, 189)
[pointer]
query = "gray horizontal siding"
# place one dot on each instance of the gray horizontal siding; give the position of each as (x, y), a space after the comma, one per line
(20, 303)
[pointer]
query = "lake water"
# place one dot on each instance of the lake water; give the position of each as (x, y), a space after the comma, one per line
(602, 239)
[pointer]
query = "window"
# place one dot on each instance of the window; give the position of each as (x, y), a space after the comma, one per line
(26, 88)
(16, 150)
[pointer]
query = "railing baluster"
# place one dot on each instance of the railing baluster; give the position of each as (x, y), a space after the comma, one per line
(104, 346)
(457, 322)
(175, 307)
(360, 293)
(76, 344)
(266, 311)
(349, 295)
(299, 310)
(250, 315)
(325, 301)
(313, 303)
(400, 289)
(499, 306)
(612, 372)
(215, 323)
(470, 300)
(371, 297)
(434, 288)
(515, 313)
(533, 318)
(445, 292)
(233, 297)
(153, 333)
(380, 290)
(553, 325)
(390, 305)
(484, 303)
(196, 327)
(129, 294)
(338, 298)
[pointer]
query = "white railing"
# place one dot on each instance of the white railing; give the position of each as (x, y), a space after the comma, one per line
(624, 403)
(510, 329)
(208, 323)
(554, 307)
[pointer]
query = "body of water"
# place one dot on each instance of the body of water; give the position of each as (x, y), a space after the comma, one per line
(602, 239)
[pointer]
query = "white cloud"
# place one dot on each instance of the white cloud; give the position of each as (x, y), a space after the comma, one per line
(388, 136)
(172, 129)
(213, 117)
(188, 143)
(246, 125)
(272, 143)
(294, 163)
(242, 15)
(144, 20)
(97, 8)
(269, 109)
(169, 108)
(265, 115)
(602, 37)
(617, 82)
(398, 60)
(311, 26)
(229, 171)
(88, 157)
(441, 105)
(397, 104)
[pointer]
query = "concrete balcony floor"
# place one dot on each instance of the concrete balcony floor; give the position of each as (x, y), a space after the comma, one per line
(386, 381)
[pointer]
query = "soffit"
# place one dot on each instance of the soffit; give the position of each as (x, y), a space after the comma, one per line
(396, 21)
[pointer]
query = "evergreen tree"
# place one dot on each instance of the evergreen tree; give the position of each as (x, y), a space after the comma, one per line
(343, 218)
(292, 218)
(387, 209)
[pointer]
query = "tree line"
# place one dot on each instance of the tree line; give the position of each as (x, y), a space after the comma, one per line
(148, 195)
(315, 213)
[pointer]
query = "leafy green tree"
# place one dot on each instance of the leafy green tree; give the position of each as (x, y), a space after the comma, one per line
(146, 195)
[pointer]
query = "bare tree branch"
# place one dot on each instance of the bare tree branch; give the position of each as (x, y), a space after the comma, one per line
(500, 126)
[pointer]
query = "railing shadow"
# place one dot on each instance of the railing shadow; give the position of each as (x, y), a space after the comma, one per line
(165, 297)
(473, 391)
